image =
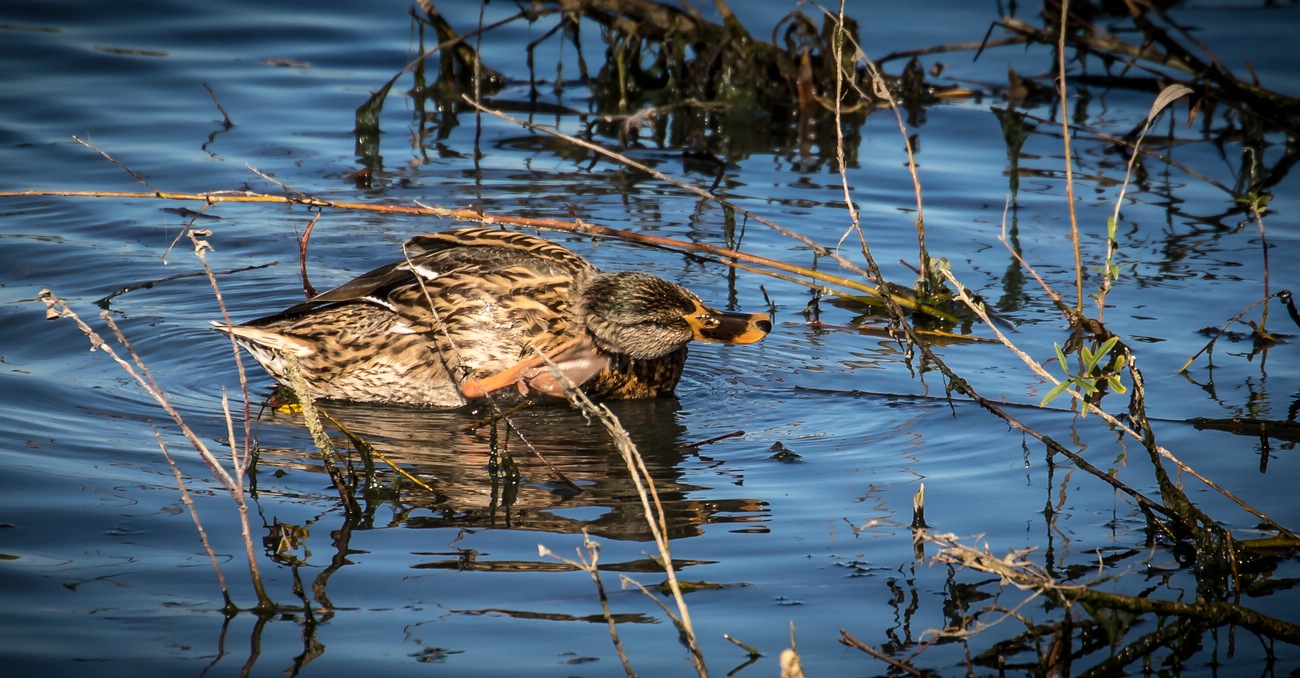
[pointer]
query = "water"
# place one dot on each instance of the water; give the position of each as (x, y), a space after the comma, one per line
(102, 573)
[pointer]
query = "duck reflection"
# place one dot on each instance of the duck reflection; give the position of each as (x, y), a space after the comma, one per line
(542, 468)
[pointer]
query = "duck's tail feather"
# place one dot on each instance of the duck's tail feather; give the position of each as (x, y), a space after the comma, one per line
(265, 346)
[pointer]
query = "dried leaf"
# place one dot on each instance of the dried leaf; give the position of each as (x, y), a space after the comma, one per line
(1167, 96)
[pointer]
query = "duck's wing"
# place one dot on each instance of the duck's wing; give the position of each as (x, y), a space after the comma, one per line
(435, 260)
(530, 279)
(475, 277)
(493, 249)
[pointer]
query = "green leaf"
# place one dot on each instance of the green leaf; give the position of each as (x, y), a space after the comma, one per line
(1089, 359)
(1107, 345)
(1057, 390)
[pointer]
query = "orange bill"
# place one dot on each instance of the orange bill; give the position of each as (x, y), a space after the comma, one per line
(728, 328)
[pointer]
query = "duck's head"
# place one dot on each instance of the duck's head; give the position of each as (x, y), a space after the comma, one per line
(645, 317)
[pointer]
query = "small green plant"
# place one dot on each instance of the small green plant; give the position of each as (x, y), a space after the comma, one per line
(1256, 201)
(1097, 368)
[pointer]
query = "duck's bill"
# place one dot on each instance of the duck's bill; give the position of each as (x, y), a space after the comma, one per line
(729, 328)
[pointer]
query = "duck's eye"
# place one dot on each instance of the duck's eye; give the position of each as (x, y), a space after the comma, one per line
(707, 321)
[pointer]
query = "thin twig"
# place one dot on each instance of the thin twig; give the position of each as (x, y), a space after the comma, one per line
(709, 441)
(652, 509)
(1062, 93)
(102, 302)
(978, 309)
(367, 448)
(240, 462)
(847, 638)
(194, 515)
(881, 288)
(852, 286)
(1222, 330)
(591, 568)
(134, 175)
(307, 289)
(225, 117)
(1026, 575)
(1166, 97)
(57, 308)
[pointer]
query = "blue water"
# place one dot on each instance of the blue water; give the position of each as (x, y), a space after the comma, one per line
(100, 569)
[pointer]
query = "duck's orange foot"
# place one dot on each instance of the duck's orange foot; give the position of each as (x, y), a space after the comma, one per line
(577, 360)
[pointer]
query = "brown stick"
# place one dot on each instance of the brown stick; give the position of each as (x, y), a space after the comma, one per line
(307, 289)
(576, 226)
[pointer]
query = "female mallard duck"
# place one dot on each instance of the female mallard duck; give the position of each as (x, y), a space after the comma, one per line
(468, 312)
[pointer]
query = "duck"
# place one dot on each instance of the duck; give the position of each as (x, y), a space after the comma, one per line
(472, 313)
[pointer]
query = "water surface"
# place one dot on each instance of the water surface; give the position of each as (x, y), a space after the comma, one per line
(103, 574)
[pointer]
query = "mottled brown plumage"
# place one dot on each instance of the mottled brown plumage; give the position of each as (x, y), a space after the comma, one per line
(467, 313)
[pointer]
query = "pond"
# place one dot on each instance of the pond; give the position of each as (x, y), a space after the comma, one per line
(786, 469)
